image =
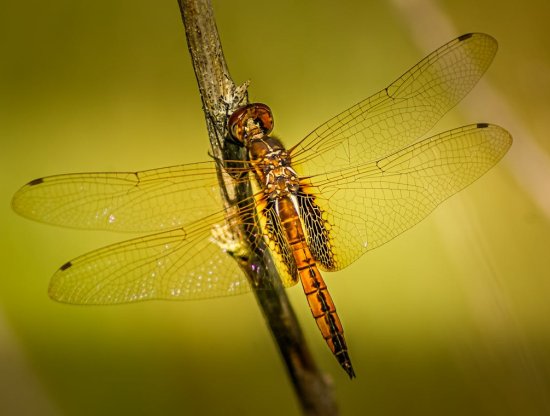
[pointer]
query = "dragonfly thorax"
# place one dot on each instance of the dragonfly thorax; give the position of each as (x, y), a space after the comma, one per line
(272, 166)
(281, 182)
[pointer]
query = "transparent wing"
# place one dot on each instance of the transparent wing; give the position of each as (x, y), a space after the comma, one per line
(177, 264)
(151, 200)
(366, 206)
(401, 113)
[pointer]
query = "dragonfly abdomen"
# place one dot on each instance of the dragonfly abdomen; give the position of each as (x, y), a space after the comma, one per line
(318, 298)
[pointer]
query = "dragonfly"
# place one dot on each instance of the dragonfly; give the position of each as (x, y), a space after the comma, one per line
(352, 184)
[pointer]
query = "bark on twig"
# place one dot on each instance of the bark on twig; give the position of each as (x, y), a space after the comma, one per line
(220, 97)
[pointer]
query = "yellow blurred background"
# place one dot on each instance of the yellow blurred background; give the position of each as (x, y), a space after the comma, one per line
(451, 318)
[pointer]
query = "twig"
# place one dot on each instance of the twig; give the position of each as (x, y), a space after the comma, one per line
(220, 97)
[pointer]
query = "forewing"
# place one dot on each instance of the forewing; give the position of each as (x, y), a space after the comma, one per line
(366, 206)
(176, 265)
(151, 200)
(401, 113)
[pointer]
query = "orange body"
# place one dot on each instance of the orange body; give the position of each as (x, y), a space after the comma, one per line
(281, 187)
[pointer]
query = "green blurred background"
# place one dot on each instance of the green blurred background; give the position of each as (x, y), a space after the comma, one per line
(452, 318)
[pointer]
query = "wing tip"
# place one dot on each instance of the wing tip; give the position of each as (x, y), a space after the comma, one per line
(499, 137)
(20, 202)
(478, 35)
(489, 42)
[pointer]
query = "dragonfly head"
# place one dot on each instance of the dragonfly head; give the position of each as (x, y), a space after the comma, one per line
(250, 121)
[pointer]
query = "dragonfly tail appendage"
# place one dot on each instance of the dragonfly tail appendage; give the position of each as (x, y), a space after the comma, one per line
(323, 310)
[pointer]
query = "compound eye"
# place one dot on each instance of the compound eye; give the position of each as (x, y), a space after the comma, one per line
(238, 122)
(264, 116)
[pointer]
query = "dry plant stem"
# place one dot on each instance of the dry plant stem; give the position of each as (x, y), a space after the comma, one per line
(220, 97)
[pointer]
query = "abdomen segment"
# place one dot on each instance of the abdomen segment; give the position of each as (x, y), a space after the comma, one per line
(319, 300)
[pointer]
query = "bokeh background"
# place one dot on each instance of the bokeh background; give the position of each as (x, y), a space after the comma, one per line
(451, 318)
